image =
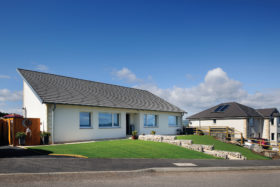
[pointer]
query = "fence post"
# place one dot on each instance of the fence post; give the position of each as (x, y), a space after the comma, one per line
(242, 139)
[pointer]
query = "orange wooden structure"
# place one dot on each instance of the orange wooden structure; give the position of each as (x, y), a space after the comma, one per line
(9, 127)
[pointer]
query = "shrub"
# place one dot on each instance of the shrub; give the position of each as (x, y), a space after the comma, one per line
(134, 135)
(43, 134)
(153, 132)
(20, 135)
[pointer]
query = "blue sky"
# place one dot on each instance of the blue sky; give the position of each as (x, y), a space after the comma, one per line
(167, 47)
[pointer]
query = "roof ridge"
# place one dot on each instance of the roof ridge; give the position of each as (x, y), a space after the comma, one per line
(82, 79)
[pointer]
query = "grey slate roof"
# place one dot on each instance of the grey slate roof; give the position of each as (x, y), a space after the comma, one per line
(268, 112)
(234, 110)
(66, 90)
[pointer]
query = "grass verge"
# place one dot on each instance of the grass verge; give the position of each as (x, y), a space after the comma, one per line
(218, 145)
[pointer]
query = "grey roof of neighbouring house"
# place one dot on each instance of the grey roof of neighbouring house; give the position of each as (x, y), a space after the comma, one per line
(66, 90)
(234, 110)
(268, 112)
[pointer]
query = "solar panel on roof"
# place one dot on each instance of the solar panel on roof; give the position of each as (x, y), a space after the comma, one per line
(219, 108)
(224, 108)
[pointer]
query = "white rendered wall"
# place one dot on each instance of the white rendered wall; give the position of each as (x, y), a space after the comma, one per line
(162, 127)
(34, 107)
(238, 124)
(67, 127)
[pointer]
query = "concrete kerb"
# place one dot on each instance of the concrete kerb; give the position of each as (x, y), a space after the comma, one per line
(148, 170)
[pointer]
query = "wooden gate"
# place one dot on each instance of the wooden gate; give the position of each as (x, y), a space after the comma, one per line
(13, 125)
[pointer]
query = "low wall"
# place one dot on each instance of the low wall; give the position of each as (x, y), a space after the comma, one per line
(207, 149)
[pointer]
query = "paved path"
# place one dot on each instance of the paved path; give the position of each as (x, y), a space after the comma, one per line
(37, 165)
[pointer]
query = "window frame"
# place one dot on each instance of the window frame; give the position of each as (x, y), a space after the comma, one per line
(112, 120)
(176, 121)
(90, 126)
(146, 119)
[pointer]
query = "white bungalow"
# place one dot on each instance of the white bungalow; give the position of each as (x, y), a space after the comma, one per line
(78, 110)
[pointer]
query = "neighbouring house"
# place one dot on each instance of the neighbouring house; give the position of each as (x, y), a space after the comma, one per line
(252, 123)
(78, 110)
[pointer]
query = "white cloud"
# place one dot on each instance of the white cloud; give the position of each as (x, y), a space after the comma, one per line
(5, 77)
(7, 95)
(216, 88)
(126, 75)
(8, 99)
(42, 67)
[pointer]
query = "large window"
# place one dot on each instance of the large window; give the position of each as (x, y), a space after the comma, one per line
(173, 120)
(109, 120)
(85, 119)
(150, 120)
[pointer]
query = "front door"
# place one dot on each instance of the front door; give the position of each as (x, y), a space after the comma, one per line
(127, 125)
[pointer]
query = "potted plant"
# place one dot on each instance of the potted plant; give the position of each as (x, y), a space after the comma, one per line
(21, 138)
(45, 137)
(153, 132)
(134, 135)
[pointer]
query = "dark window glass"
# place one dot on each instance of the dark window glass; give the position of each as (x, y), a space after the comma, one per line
(85, 119)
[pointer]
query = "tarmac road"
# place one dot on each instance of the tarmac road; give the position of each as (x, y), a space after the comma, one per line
(26, 161)
(41, 165)
(191, 179)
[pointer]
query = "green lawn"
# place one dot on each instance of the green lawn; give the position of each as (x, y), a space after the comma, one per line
(124, 149)
(218, 145)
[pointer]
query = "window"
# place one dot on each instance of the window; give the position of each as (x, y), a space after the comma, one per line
(251, 122)
(109, 120)
(173, 120)
(278, 136)
(150, 120)
(116, 118)
(278, 121)
(85, 119)
(214, 121)
(272, 136)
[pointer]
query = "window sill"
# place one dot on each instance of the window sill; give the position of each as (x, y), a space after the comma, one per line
(151, 127)
(109, 127)
(173, 125)
(86, 127)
